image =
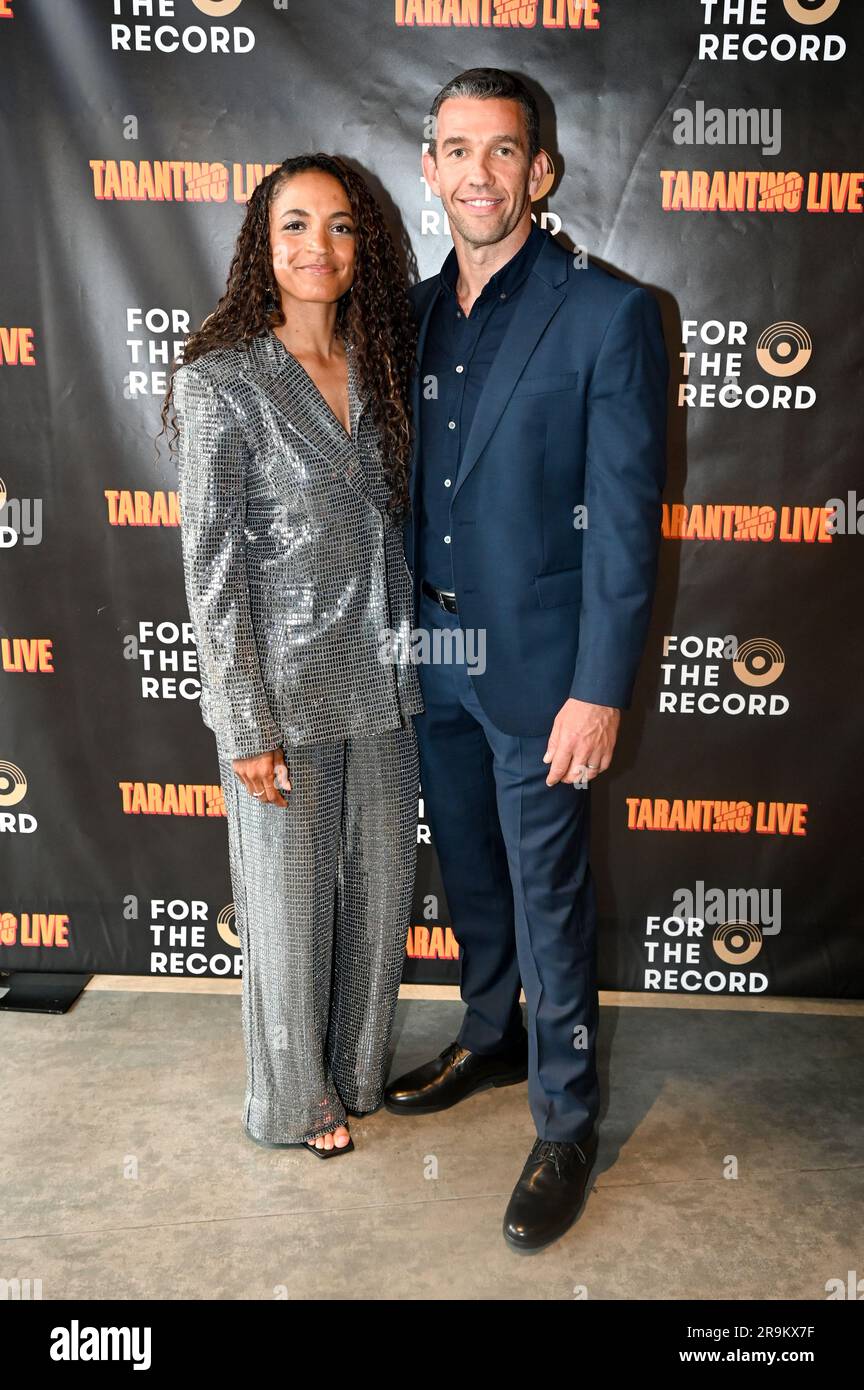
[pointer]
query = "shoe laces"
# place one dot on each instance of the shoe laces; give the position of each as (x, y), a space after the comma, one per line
(556, 1150)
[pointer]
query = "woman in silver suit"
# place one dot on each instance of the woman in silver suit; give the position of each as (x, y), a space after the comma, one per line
(293, 444)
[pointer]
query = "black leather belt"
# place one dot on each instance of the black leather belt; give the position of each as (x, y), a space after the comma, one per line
(442, 597)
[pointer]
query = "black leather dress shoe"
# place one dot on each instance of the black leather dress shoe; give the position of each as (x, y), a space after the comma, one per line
(548, 1196)
(452, 1076)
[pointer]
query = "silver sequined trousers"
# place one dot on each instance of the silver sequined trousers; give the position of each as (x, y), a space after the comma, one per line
(322, 897)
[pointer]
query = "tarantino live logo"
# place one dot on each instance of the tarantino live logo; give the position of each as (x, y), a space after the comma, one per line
(709, 938)
(27, 656)
(498, 14)
(704, 675)
(171, 799)
(173, 180)
(761, 190)
(139, 508)
(172, 26)
(693, 816)
(44, 930)
(17, 348)
(732, 521)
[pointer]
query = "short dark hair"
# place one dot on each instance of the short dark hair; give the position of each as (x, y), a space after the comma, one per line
(491, 82)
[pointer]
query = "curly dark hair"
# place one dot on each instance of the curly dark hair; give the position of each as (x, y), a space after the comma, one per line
(375, 316)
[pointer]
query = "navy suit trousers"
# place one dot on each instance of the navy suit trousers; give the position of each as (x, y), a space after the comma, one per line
(513, 854)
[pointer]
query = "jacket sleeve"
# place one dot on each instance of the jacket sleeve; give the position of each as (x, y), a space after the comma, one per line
(213, 462)
(624, 479)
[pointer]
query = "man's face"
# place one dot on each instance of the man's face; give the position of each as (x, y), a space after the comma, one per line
(483, 175)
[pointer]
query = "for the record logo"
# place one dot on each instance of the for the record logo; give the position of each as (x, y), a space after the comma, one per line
(181, 934)
(712, 361)
(704, 675)
(710, 940)
(184, 26)
(168, 659)
(13, 789)
(738, 31)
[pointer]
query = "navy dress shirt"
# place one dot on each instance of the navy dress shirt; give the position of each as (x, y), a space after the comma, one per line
(457, 355)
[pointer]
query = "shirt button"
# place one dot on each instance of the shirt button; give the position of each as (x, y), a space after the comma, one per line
(451, 424)
(446, 540)
(460, 368)
(446, 482)
(502, 296)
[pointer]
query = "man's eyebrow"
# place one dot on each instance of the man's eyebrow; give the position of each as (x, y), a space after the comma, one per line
(494, 140)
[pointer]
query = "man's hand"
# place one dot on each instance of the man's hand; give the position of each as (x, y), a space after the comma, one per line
(257, 775)
(583, 737)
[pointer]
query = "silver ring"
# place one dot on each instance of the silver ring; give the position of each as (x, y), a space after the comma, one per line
(257, 793)
(593, 766)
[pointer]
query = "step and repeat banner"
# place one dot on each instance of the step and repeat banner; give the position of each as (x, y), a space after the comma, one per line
(707, 149)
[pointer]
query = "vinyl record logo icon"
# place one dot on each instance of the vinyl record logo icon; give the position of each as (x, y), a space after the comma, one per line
(13, 784)
(811, 11)
(758, 661)
(737, 943)
(784, 349)
(225, 926)
(217, 9)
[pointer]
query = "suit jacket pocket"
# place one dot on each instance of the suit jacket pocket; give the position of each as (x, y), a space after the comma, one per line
(539, 385)
(562, 586)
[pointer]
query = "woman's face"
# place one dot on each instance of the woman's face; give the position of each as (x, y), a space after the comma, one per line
(313, 238)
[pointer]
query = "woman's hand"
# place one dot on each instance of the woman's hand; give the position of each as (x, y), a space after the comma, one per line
(257, 776)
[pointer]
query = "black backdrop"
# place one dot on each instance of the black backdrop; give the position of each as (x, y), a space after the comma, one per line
(130, 142)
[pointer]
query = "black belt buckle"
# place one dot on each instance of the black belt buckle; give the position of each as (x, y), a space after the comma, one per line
(442, 597)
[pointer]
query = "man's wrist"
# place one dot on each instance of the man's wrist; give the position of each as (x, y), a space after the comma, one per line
(599, 695)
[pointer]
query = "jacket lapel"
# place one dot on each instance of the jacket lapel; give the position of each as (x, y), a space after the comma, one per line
(539, 300)
(417, 389)
(289, 388)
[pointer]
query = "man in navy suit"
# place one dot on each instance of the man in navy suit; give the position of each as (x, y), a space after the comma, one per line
(540, 417)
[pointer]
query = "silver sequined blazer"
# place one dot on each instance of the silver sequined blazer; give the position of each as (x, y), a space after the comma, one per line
(298, 591)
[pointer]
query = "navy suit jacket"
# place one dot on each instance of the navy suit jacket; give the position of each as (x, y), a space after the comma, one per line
(573, 414)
